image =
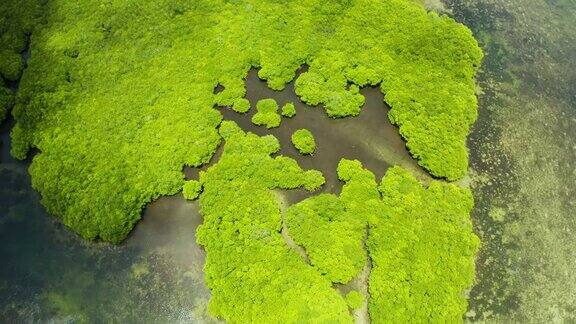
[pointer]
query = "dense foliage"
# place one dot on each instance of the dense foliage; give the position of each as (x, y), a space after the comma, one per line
(420, 240)
(191, 189)
(253, 275)
(17, 19)
(425, 65)
(267, 113)
(304, 141)
(6, 101)
(422, 249)
(354, 299)
(241, 105)
(289, 110)
(119, 95)
(331, 235)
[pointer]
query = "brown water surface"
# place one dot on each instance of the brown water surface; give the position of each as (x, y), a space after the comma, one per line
(369, 137)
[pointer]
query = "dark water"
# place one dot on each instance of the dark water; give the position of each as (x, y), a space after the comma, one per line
(369, 137)
(48, 273)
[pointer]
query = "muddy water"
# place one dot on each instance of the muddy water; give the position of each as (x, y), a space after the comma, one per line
(169, 225)
(369, 137)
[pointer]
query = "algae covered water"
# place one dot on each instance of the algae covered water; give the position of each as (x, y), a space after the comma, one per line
(523, 156)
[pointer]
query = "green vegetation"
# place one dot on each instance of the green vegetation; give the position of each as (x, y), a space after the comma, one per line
(304, 141)
(117, 102)
(354, 299)
(17, 19)
(191, 189)
(331, 236)
(288, 110)
(266, 113)
(420, 241)
(6, 101)
(422, 249)
(253, 275)
(241, 105)
(11, 65)
(119, 96)
(425, 65)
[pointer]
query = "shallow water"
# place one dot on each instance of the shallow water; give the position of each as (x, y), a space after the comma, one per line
(523, 157)
(50, 274)
(369, 137)
(523, 160)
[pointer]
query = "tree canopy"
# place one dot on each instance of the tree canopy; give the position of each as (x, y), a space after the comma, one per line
(267, 113)
(304, 141)
(118, 96)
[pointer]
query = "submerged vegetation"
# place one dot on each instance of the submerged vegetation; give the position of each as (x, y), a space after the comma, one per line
(523, 160)
(304, 141)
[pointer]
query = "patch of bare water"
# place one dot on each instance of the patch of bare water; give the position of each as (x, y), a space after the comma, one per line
(369, 137)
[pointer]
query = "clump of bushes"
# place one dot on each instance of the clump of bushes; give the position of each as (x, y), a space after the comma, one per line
(420, 241)
(18, 19)
(331, 236)
(289, 110)
(354, 299)
(422, 248)
(191, 189)
(252, 273)
(6, 101)
(11, 65)
(304, 141)
(266, 113)
(241, 105)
